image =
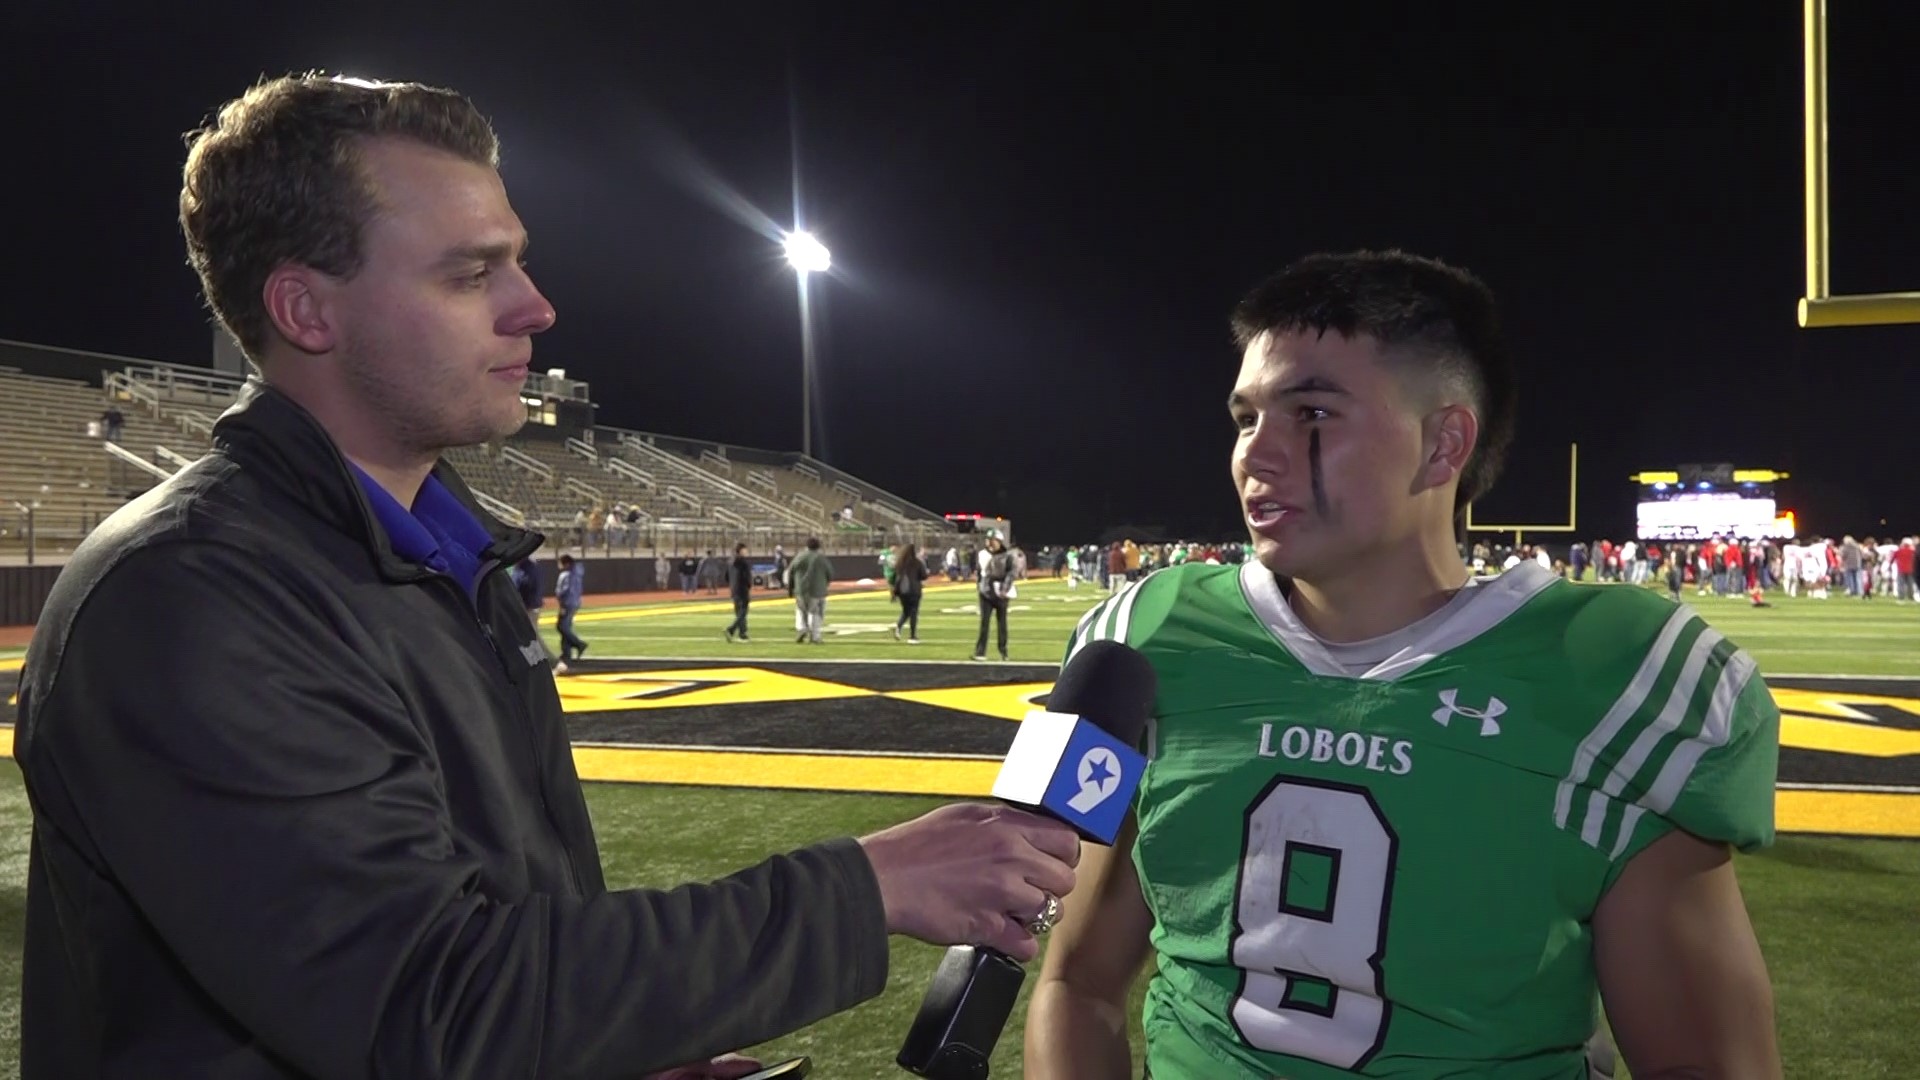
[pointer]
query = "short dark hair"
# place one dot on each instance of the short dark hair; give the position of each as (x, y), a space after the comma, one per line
(275, 177)
(566, 560)
(813, 543)
(1439, 316)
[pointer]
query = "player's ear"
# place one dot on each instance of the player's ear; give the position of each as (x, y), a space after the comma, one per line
(1448, 436)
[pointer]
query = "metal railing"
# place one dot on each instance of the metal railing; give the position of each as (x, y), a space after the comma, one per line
(582, 488)
(622, 467)
(527, 462)
(193, 423)
(500, 509)
(27, 511)
(920, 515)
(115, 450)
(731, 489)
(176, 383)
(120, 385)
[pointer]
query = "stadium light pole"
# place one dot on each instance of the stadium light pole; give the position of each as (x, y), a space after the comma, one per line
(808, 256)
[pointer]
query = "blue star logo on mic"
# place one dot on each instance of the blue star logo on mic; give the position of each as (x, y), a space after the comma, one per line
(1099, 774)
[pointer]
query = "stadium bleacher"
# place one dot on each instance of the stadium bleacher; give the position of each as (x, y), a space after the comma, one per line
(687, 494)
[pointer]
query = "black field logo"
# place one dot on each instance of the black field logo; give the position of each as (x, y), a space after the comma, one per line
(1849, 748)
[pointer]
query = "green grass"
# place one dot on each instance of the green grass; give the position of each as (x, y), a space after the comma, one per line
(1836, 917)
(1798, 636)
(859, 627)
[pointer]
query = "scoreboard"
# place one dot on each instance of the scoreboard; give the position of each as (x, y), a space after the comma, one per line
(1699, 502)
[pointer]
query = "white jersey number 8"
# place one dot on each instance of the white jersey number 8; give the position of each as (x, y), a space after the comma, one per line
(1310, 954)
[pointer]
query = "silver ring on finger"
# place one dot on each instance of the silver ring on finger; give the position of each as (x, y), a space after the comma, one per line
(1048, 915)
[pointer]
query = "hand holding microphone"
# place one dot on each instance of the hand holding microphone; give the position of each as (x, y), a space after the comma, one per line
(1075, 763)
(972, 872)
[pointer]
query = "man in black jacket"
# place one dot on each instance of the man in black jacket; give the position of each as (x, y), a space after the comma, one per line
(304, 804)
(740, 586)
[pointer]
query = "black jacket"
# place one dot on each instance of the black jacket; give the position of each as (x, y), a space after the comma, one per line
(998, 571)
(305, 809)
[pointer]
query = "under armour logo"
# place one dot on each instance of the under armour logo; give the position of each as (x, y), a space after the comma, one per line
(1099, 777)
(1488, 717)
(534, 653)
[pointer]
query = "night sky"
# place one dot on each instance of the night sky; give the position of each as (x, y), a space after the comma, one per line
(1040, 220)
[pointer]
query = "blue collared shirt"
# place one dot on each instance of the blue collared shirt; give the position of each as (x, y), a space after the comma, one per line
(438, 533)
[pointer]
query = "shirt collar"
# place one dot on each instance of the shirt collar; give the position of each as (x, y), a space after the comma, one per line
(438, 533)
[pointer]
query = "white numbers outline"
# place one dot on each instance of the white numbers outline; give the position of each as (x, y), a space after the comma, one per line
(1343, 946)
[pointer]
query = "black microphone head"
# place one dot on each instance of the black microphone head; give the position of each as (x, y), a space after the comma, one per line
(1111, 685)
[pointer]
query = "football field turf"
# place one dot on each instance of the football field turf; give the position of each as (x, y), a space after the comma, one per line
(711, 730)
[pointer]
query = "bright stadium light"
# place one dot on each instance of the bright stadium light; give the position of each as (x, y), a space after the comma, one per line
(807, 254)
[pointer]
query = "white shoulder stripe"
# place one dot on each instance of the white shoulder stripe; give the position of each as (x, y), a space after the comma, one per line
(1081, 631)
(1596, 816)
(1715, 731)
(1616, 717)
(1123, 615)
(1104, 624)
(1671, 714)
(1628, 822)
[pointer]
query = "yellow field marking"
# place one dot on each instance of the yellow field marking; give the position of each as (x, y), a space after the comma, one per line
(1812, 720)
(1837, 704)
(1846, 813)
(820, 772)
(623, 690)
(1007, 701)
(1842, 737)
(1849, 813)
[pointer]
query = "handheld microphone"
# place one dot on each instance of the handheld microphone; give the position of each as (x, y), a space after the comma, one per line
(1075, 762)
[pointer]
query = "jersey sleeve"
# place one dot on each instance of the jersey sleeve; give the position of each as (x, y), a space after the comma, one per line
(1129, 617)
(1109, 620)
(1692, 742)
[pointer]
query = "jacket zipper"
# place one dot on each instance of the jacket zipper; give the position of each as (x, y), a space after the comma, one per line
(526, 719)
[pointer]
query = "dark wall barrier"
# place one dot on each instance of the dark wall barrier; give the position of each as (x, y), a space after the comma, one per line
(23, 592)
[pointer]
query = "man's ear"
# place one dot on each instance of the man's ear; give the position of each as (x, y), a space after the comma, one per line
(299, 302)
(1448, 436)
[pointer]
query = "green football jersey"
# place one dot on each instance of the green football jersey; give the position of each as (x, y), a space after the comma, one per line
(1394, 874)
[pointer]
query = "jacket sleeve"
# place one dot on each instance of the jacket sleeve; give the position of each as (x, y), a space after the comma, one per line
(263, 797)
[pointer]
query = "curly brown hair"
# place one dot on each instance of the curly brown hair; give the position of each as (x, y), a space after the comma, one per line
(275, 178)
